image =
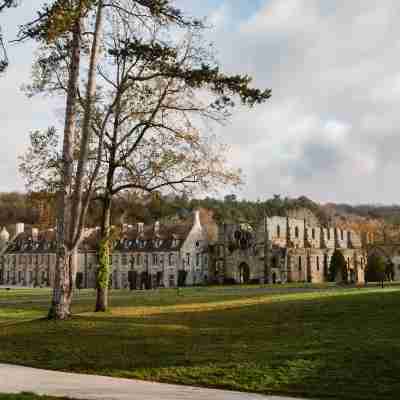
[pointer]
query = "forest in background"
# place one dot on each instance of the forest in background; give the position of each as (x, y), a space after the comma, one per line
(39, 210)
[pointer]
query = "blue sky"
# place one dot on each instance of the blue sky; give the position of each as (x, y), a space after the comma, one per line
(330, 130)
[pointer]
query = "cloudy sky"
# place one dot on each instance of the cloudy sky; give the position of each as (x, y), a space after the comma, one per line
(330, 130)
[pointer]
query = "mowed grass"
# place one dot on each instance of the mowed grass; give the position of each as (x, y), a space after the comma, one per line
(28, 396)
(336, 343)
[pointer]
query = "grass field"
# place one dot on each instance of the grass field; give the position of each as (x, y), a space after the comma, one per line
(27, 396)
(336, 343)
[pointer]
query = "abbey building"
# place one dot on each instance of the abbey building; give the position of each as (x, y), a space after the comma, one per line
(277, 250)
(282, 250)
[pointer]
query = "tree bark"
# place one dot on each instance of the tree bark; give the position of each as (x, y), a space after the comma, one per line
(62, 288)
(71, 212)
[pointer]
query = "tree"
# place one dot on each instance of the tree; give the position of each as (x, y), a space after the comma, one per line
(337, 266)
(145, 110)
(62, 24)
(3, 52)
(376, 269)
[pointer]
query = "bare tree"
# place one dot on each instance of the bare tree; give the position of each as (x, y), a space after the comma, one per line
(63, 24)
(3, 52)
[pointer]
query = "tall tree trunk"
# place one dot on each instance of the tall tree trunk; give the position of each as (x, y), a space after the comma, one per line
(103, 272)
(62, 288)
(71, 213)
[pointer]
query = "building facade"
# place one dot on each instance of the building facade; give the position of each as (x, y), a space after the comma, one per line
(146, 256)
(283, 250)
(278, 250)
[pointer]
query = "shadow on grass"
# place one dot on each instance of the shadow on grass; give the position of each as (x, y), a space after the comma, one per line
(331, 346)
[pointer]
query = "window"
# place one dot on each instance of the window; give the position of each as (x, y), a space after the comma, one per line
(155, 259)
(162, 260)
(188, 259)
(299, 263)
(30, 259)
(139, 259)
(317, 263)
(278, 231)
(296, 231)
(124, 259)
(313, 233)
(341, 234)
(171, 259)
(329, 234)
(146, 260)
(197, 259)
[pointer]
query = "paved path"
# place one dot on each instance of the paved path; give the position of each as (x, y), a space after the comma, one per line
(16, 379)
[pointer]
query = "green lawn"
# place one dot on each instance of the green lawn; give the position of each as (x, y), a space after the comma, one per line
(27, 396)
(337, 343)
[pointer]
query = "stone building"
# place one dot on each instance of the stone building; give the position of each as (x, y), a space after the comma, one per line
(284, 250)
(146, 256)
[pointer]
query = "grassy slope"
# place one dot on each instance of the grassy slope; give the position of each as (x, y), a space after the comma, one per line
(333, 344)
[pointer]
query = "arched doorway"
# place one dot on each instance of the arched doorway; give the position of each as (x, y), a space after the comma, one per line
(244, 273)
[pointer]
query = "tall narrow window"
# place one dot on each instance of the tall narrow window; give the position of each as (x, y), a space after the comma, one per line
(278, 231)
(313, 233)
(296, 231)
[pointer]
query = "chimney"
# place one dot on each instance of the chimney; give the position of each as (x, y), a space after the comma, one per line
(19, 228)
(125, 228)
(4, 235)
(197, 218)
(35, 234)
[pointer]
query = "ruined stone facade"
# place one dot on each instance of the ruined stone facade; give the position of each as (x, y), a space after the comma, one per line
(282, 250)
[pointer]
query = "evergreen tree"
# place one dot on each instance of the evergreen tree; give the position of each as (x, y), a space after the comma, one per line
(337, 266)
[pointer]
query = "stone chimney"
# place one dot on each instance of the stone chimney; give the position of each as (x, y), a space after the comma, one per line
(197, 218)
(4, 235)
(35, 234)
(19, 228)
